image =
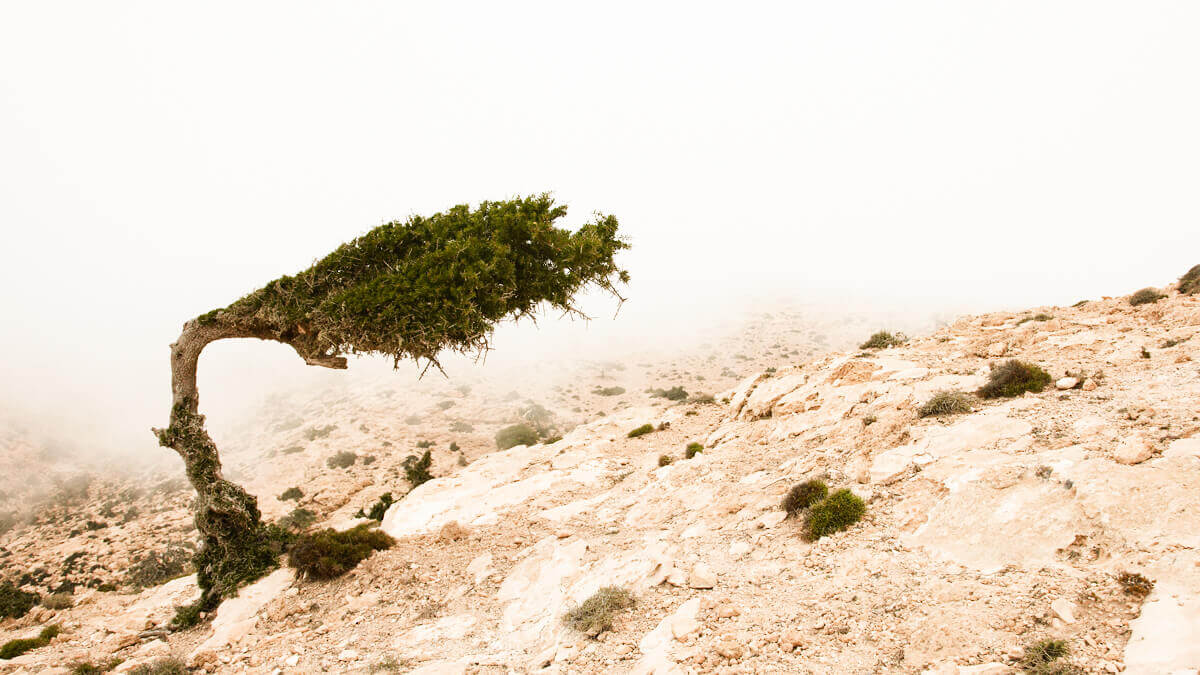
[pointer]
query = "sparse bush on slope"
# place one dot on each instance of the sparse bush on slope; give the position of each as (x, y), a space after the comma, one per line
(946, 403)
(1013, 378)
(833, 514)
(14, 648)
(291, 494)
(341, 460)
(692, 450)
(641, 431)
(1189, 283)
(1135, 584)
(594, 615)
(14, 602)
(378, 509)
(1145, 297)
(328, 553)
(1043, 658)
(883, 339)
(416, 469)
(803, 496)
(169, 665)
(159, 567)
(517, 434)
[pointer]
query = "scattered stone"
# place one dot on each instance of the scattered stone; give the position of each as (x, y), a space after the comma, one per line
(702, 577)
(1066, 383)
(1133, 450)
(1063, 609)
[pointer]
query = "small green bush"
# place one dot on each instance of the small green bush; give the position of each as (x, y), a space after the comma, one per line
(946, 402)
(675, 393)
(1036, 317)
(14, 648)
(416, 469)
(692, 450)
(169, 665)
(833, 514)
(1013, 378)
(341, 460)
(378, 508)
(641, 431)
(89, 668)
(609, 391)
(14, 602)
(291, 494)
(422, 444)
(58, 601)
(517, 434)
(299, 519)
(314, 433)
(803, 496)
(664, 460)
(328, 553)
(1145, 297)
(595, 615)
(883, 339)
(1189, 283)
(1135, 584)
(1040, 657)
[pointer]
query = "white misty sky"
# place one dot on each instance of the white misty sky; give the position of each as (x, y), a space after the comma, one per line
(159, 159)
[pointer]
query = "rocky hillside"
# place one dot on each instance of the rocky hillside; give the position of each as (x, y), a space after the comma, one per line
(1064, 517)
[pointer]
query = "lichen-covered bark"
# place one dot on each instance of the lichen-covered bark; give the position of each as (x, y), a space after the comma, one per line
(236, 548)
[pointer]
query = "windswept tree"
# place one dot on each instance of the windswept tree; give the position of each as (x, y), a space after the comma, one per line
(408, 290)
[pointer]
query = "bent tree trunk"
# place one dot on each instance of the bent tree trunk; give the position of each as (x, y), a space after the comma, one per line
(235, 547)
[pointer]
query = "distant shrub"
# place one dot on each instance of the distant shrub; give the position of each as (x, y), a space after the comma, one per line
(461, 427)
(341, 460)
(58, 601)
(14, 648)
(803, 496)
(551, 439)
(14, 602)
(1189, 283)
(445, 405)
(869, 419)
(416, 469)
(833, 514)
(299, 519)
(291, 494)
(692, 450)
(517, 434)
(1036, 317)
(1135, 584)
(158, 567)
(328, 553)
(641, 431)
(1145, 297)
(704, 399)
(378, 508)
(675, 393)
(168, 665)
(89, 668)
(883, 339)
(454, 447)
(313, 433)
(946, 402)
(1039, 658)
(422, 444)
(595, 615)
(664, 460)
(1013, 378)
(609, 391)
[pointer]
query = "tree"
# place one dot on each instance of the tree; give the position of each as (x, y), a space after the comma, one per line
(408, 290)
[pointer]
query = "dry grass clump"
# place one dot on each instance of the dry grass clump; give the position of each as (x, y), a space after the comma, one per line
(14, 602)
(58, 601)
(946, 402)
(1189, 283)
(664, 460)
(1135, 585)
(1043, 658)
(641, 431)
(342, 460)
(833, 514)
(1145, 297)
(1013, 378)
(803, 496)
(168, 665)
(883, 339)
(595, 615)
(517, 434)
(328, 553)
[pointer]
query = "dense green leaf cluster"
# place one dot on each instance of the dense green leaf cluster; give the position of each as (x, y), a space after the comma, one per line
(14, 602)
(328, 553)
(414, 288)
(834, 513)
(803, 496)
(1013, 378)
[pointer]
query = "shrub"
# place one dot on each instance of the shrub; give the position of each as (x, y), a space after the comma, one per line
(292, 449)
(701, 399)
(58, 601)
(461, 427)
(341, 460)
(14, 602)
(1040, 656)
(692, 450)
(169, 665)
(291, 494)
(803, 496)
(675, 393)
(328, 553)
(664, 460)
(445, 405)
(422, 444)
(1135, 584)
(313, 433)
(416, 470)
(378, 508)
(299, 519)
(517, 434)
(1145, 297)
(89, 668)
(641, 431)
(159, 567)
(609, 391)
(1014, 378)
(833, 514)
(14, 648)
(1189, 283)
(883, 339)
(595, 614)
(946, 403)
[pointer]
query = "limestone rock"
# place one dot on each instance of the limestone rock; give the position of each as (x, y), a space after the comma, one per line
(1066, 383)
(1133, 450)
(1063, 609)
(702, 577)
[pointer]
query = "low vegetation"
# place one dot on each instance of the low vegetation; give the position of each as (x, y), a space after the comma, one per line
(608, 391)
(1145, 297)
(314, 433)
(298, 520)
(595, 615)
(341, 460)
(664, 460)
(834, 513)
(291, 494)
(641, 431)
(1013, 378)
(883, 340)
(328, 553)
(57, 601)
(1135, 585)
(89, 668)
(1043, 658)
(517, 434)
(158, 567)
(14, 648)
(803, 496)
(378, 508)
(14, 602)
(675, 393)
(1189, 283)
(169, 665)
(946, 402)
(692, 450)
(416, 469)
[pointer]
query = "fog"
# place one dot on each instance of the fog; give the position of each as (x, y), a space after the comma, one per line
(158, 160)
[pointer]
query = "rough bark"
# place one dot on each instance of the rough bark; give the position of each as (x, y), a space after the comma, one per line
(235, 548)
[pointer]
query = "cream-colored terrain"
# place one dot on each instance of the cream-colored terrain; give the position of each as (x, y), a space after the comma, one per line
(985, 531)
